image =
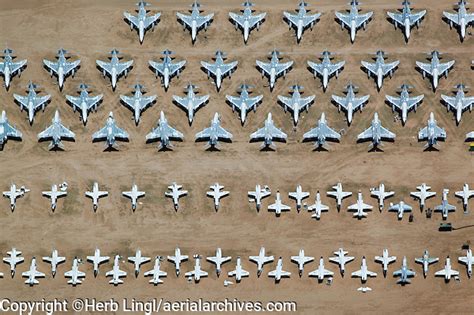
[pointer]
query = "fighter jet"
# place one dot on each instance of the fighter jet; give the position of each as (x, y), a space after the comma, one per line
(138, 260)
(350, 103)
(216, 194)
(141, 21)
(261, 260)
(238, 272)
(156, 272)
(464, 194)
(364, 273)
(377, 133)
(326, 69)
(175, 193)
(321, 272)
(54, 260)
(110, 133)
(116, 273)
(8, 68)
(54, 194)
(195, 21)
(301, 20)
(214, 133)
(296, 103)
(7, 131)
(75, 274)
(468, 260)
(31, 102)
(341, 259)
(431, 133)
(219, 69)
(359, 207)
(14, 193)
(164, 133)
(301, 260)
(268, 133)
(97, 260)
(61, 68)
(191, 102)
(381, 194)
(244, 103)
(404, 103)
(321, 133)
(385, 260)
(318, 207)
(133, 195)
(56, 132)
(298, 195)
(197, 273)
(435, 68)
(95, 195)
(400, 208)
(247, 21)
(422, 194)
(167, 68)
(114, 68)
(14, 258)
(406, 19)
(426, 260)
(379, 69)
(218, 260)
(461, 19)
(459, 103)
(138, 102)
(84, 103)
(177, 259)
(352, 20)
(447, 272)
(404, 273)
(258, 194)
(339, 194)
(279, 273)
(32, 274)
(274, 68)
(445, 208)
(278, 206)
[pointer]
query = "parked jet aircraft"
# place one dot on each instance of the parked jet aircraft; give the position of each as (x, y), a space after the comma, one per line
(54, 194)
(167, 68)
(114, 68)
(54, 260)
(7, 131)
(339, 194)
(138, 260)
(218, 260)
(432, 132)
(191, 102)
(301, 20)
(406, 19)
(301, 260)
(359, 207)
(258, 194)
(156, 272)
(376, 133)
(298, 195)
(326, 69)
(110, 133)
(274, 69)
(56, 132)
(459, 103)
(97, 260)
(84, 103)
(268, 133)
(195, 21)
(32, 274)
(177, 259)
(385, 260)
(404, 103)
(137, 103)
(465, 194)
(447, 272)
(296, 103)
(426, 261)
(353, 20)
(379, 69)
(75, 274)
(364, 273)
(8, 68)
(247, 21)
(197, 273)
(350, 103)
(422, 194)
(31, 102)
(321, 272)
(435, 68)
(217, 194)
(400, 208)
(141, 21)
(461, 19)
(61, 68)
(14, 258)
(214, 133)
(116, 273)
(321, 133)
(133, 195)
(175, 193)
(244, 103)
(164, 133)
(278, 206)
(95, 195)
(261, 260)
(468, 260)
(238, 272)
(318, 207)
(381, 194)
(279, 273)
(404, 273)
(445, 208)
(219, 69)
(15, 193)
(341, 259)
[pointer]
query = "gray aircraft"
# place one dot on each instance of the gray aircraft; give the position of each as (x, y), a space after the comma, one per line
(431, 133)
(404, 103)
(8, 68)
(137, 103)
(350, 104)
(191, 102)
(141, 21)
(445, 208)
(7, 131)
(321, 133)
(167, 68)
(400, 208)
(268, 133)
(462, 19)
(353, 20)
(31, 102)
(459, 103)
(404, 273)
(301, 20)
(110, 133)
(326, 69)
(406, 19)
(219, 70)
(214, 133)
(426, 261)
(379, 69)
(247, 21)
(274, 68)
(84, 103)
(195, 21)
(164, 133)
(244, 103)
(376, 133)
(435, 68)
(114, 68)
(296, 103)
(61, 68)
(56, 132)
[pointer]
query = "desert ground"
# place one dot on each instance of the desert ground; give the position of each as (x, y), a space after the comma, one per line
(35, 29)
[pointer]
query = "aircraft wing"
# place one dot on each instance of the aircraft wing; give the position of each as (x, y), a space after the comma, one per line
(132, 19)
(53, 66)
(395, 101)
(212, 68)
(10, 131)
(344, 18)
(200, 100)
(415, 17)
(237, 18)
(201, 20)
(441, 273)
(359, 101)
(176, 66)
(426, 67)
(252, 101)
(47, 133)
(443, 67)
(450, 101)
(15, 66)
(75, 101)
(264, 66)
(186, 19)
(128, 100)
(293, 18)
(310, 18)
(122, 66)
(222, 133)
(341, 101)
(255, 19)
(367, 134)
(102, 133)
(93, 100)
(324, 131)
(336, 66)
(451, 17)
(69, 66)
(277, 133)
(385, 133)
(412, 101)
(468, 101)
(397, 17)
(371, 67)
(390, 66)
(146, 100)
(149, 20)
(363, 18)
(228, 67)
(106, 66)
(283, 66)
(66, 133)
(169, 131)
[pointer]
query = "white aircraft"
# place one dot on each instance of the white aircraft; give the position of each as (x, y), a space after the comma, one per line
(219, 69)
(177, 259)
(359, 207)
(156, 272)
(279, 273)
(258, 194)
(133, 195)
(379, 69)
(278, 206)
(141, 21)
(350, 103)
(426, 261)
(458, 103)
(404, 273)
(268, 133)
(364, 273)
(56, 132)
(353, 20)
(400, 208)
(75, 274)
(84, 103)
(261, 260)
(461, 18)
(447, 272)
(191, 102)
(32, 102)
(164, 133)
(197, 273)
(385, 260)
(32, 274)
(406, 19)
(247, 21)
(195, 21)
(8, 68)
(114, 68)
(326, 69)
(138, 260)
(298, 195)
(167, 69)
(116, 273)
(468, 260)
(404, 103)
(14, 258)
(301, 260)
(14, 193)
(445, 208)
(301, 20)
(339, 194)
(137, 103)
(376, 133)
(321, 133)
(244, 103)
(296, 103)
(465, 194)
(432, 132)
(238, 273)
(381, 194)
(218, 260)
(274, 68)
(54, 260)
(317, 207)
(341, 259)
(217, 194)
(95, 194)
(435, 68)
(422, 194)
(61, 68)
(54, 194)
(175, 194)
(97, 260)
(321, 272)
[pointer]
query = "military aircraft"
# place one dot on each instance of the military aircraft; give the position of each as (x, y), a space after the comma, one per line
(279, 273)
(326, 68)
(164, 133)
(32, 274)
(445, 208)
(359, 207)
(377, 133)
(381, 194)
(298, 195)
(116, 273)
(426, 261)
(278, 206)
(197, 273)
(138, 260)
(432, 132)
(110, 133)
(14, 258)
(62, 67)
(301, 20)
(137, 103)
(75, 274)
(8, 68)
(95, 195)
(214, 133)
(219, 69)
(385, 260)
(406, 19)
(301, 260)
(364, 272)
(268, 133)
(317, 207)
(217, 194)
(258, 194)
(247, 21)
(464, 194)
(156, 272)
(15, 193)
(177, 259)
(141, 21)
(195, 21)
(7, 131)
(379, 69)
(321, 133)
(400, 208)
(56, 132)
(435, 68)
(350, 103)
(462, 19)
(97, 260)
(133, 195)
(84, 103)
(447, 272)
(296, 103)
(404, 273)
(175, 193)
(261, 260)
(468, 260)
(339, 194)
(274, 68)
(244, 102)
(341, 259)
(218, 260)
(422, 194)
(54, 194)
(404, 103)
(459, 103)
(238, 272)
(31, 102)
(321, 272)
(54, 260)
(167, 68)
(353, 20)
(191, 102)
(114, 68)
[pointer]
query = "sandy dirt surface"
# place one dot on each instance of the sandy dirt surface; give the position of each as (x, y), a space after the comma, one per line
(90, 29)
